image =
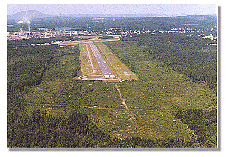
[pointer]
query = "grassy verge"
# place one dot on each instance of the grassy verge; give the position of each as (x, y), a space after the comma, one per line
(89, 64)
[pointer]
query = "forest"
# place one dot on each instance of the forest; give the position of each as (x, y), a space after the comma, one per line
(173, 102)
(199, 112)
(190, 55)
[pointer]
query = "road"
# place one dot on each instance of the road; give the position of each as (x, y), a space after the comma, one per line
(104, 67)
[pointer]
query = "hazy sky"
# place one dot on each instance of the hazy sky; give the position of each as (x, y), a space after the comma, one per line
(172, 9)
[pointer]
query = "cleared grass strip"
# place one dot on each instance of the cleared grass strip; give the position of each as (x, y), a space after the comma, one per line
(89, 64)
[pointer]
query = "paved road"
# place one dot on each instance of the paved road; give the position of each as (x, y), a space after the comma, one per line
(104, 67)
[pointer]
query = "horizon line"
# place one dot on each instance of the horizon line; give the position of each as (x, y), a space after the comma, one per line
(112, 14)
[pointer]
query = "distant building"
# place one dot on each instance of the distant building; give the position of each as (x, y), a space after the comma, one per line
(109, 76)
(209, 36)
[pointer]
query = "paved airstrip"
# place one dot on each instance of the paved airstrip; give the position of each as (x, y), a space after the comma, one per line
(104, 67)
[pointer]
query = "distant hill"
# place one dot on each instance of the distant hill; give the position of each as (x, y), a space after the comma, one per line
(133, 15)
(26, 15)
(33, 14)
(117, 15)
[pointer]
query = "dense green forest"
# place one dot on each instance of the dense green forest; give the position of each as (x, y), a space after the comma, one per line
(28, 67)
(203, 120)
(190, 55)
(48, 108)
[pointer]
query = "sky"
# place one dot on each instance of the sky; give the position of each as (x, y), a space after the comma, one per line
(171, 9)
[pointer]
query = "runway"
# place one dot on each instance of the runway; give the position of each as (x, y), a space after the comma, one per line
(104, 67)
